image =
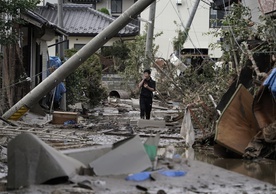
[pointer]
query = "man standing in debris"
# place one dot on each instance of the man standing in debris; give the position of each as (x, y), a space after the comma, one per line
(147, 86)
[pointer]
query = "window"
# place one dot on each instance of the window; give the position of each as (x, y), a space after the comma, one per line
(216, 17)
(78, 46)
(82, 1)
(116, 6)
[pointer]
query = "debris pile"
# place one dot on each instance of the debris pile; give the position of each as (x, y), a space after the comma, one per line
(247, 124)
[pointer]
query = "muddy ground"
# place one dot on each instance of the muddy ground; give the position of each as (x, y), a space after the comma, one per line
(115, 121)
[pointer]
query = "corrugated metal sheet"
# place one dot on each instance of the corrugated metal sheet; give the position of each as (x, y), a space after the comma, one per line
(267, 6)
(83, 20)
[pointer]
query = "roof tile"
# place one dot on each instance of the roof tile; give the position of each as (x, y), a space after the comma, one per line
(83, 20)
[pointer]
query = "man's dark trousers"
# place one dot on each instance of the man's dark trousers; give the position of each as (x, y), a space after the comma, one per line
(145, 107)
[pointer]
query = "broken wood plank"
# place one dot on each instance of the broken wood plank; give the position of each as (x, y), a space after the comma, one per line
(143, 135)
(52, 133)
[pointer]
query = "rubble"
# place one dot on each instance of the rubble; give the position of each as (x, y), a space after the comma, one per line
(62, 117)
(142, 123)
(237, 124)
(88, 154)
(31, 161)
(128, 156)
(112, 144)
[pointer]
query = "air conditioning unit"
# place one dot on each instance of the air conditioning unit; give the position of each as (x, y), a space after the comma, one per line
(178, 2)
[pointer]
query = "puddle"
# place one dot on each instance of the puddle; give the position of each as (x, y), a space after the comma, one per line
(263, 170)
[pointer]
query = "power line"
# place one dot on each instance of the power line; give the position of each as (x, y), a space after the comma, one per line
(182, 24)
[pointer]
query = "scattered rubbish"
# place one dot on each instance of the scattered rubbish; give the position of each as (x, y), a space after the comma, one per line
(70, 122)
(151, 146)
(187, 129)
(90, 184)
(31, 118)
(61, 117)
(237, 124)
(127, 156)
(139, 187)
(170, 151)
(141, 176)
(88, 154)
(151, 123)
(135, 103)
(31, 161)
(173, 173)
(86, 184)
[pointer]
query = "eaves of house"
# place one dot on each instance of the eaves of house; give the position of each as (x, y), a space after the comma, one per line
(83, 20)
(39, 21)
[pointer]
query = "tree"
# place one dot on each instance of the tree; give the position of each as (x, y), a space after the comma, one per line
(104, 10)
(10, 13)
(135, 60)
(84, 85)
(238, 29)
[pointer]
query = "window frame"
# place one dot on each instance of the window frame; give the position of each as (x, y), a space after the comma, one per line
(118, 10)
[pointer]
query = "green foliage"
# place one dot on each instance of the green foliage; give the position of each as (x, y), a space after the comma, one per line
(180, 39)
(238, 27)
(104, 10)
(136, 59)
(84, 85)
(130, 57)
(10, 12)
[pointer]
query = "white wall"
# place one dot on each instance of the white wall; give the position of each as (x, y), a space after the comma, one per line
(107, 4)
(167, 12)
(255, 9)
(80, 40)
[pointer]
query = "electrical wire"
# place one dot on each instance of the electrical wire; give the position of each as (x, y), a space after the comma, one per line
(27, 79)
(187, 34)
(162, 10)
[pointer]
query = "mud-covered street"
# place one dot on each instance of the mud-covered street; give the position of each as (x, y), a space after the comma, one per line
(205, 172)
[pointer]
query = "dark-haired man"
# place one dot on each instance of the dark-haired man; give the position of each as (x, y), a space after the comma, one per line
(147, 86)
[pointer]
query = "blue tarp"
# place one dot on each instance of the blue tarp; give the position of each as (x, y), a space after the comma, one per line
(270, 82)
(53, 64)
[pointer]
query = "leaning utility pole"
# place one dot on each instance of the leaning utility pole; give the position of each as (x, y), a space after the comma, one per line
(33, 97)
(191, 18)
(61, 47)
(188, 24)
(60, 24)
(149, 40)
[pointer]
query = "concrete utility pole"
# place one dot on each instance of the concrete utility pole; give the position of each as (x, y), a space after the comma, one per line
(60, 24)
(149, 40)
(61, 47)
(189, 23)
(191, 18)
(21, 107)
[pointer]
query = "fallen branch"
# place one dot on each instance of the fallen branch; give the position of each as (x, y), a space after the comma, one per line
(254, 64)
(143, 135)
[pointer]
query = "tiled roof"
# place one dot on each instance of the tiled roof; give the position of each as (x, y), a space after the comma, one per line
(40, 21)
(83, 20)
